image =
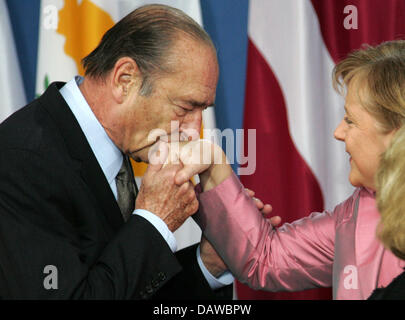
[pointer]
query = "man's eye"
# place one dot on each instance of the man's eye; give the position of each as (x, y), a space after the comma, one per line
(182, 111)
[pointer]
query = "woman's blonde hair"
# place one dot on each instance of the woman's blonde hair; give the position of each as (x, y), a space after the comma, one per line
(390, 184)
(381, 72)
(378, 75)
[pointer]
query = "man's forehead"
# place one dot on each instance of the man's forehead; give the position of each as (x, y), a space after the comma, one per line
(188, 51)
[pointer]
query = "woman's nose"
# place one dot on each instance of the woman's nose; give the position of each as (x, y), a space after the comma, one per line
(339, 133)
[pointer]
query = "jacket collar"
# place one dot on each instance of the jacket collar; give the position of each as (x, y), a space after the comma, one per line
(79, 149)
(107, 153)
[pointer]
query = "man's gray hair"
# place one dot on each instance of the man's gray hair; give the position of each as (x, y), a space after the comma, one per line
(146, 35)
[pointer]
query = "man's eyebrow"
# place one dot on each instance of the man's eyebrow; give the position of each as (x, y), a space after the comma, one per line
(200, 104)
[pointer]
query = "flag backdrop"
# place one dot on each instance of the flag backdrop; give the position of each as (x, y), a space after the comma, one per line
(293, 47)
(11, 85)
(71, 29)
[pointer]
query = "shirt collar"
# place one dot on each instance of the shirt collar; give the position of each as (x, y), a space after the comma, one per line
(107, 154)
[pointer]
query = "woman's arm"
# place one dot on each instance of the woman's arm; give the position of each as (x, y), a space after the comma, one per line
(294, 257)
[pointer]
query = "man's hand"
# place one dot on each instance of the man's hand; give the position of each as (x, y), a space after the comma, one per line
(160, 195)
(201, 157)
(265, 209)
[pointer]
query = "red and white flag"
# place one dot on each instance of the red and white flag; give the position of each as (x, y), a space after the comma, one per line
(293, 47)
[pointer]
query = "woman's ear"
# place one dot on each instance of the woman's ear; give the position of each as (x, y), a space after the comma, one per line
(124, 78)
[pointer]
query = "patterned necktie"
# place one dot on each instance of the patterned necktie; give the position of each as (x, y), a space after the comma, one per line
(126, 189)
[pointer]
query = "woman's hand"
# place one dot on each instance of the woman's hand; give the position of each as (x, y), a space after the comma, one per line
(200, 157)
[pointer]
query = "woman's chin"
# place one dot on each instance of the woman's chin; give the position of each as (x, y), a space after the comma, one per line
(354, 181)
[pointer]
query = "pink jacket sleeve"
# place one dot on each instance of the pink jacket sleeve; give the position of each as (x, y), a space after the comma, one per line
(296, 256)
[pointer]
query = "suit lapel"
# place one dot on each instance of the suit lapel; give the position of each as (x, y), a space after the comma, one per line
(95, 179)
(80, 149)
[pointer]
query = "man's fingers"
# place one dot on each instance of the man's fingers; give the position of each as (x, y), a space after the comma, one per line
(259, 204)
(193, 207)
(183, 189)
(267, 209)
(275, 221)
(186, 173)
(251, 193)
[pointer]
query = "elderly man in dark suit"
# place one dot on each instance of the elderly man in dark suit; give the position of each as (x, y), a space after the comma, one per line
(69, 224)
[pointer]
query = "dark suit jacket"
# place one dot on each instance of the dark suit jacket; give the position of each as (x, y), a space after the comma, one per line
(57, 209)
(394, 291)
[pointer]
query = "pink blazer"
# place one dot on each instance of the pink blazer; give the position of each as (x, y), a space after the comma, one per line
(336, 249)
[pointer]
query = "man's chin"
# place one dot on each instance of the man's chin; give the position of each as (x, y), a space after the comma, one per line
(141, 155)
(144, 154)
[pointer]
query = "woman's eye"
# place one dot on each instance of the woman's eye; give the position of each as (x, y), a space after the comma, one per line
(348, 121)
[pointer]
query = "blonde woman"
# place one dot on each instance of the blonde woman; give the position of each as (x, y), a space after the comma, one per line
(391, 204)
(336, 249)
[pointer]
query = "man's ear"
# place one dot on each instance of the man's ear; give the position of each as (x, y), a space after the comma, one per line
(124, 78)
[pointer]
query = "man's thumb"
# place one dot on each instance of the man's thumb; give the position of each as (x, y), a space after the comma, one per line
(186, 173)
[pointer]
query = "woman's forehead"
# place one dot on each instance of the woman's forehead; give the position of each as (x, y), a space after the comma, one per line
(358, 92)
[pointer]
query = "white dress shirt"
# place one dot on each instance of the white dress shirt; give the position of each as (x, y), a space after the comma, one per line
(110, 159)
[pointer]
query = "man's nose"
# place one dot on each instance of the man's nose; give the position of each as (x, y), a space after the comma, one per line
(191, 126)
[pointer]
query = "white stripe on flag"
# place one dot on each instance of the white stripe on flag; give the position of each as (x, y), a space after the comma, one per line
(287, 33)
